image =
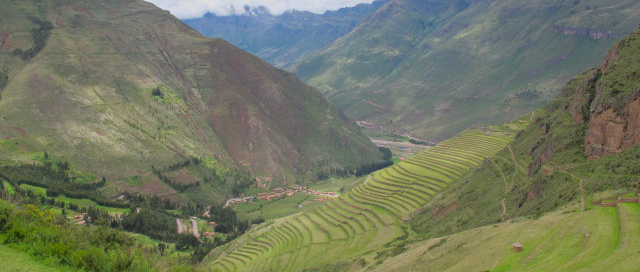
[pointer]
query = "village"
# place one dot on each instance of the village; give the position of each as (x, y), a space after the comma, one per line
(279, 193)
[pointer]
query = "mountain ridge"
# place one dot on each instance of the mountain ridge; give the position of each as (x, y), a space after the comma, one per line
(432, 65)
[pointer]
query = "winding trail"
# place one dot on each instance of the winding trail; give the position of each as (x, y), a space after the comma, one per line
(507, 188)
(514, 159)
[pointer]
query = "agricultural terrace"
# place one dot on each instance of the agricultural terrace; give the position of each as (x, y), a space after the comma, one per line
(367, 217)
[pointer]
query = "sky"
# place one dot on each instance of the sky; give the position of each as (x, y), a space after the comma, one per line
(188, 9)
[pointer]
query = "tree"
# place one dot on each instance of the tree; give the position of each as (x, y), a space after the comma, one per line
(156, 92)
(186, 241)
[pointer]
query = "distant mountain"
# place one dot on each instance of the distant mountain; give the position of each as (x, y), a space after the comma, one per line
(120, 87)
(438, 67)
(284, 39)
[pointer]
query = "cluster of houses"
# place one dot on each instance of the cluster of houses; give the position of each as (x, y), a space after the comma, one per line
(80, 218)
(232, 201)
(280, 192)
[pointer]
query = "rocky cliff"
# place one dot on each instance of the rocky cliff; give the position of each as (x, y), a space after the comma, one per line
(614, 123)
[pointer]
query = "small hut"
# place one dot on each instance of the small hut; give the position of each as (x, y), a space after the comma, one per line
(517, 247)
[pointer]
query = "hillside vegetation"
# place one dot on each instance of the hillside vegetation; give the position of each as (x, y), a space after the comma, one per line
(438, 67)
(548, 165)
(123, 90)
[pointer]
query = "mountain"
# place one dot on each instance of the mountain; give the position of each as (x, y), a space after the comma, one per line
(581, 143)
(284, 39)
(438, 67)
(121, 88)
(562, 181)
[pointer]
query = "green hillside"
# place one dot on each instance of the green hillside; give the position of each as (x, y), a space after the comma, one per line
(602, 239)
(369, 218)
(437, 67)
(124, 90)
(552, 162)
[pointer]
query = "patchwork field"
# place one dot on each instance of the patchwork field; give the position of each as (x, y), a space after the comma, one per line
(366, 218)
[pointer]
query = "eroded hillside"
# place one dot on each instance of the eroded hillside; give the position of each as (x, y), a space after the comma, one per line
(119, 87)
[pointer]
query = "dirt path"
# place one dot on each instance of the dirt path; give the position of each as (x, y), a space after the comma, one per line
(507, 188)
(514, 159)
(181, 226)
(194, 224)
(504, 179)
(583, 198)
(504, 210)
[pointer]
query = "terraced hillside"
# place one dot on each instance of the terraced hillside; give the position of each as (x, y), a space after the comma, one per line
(366, 218)
(601, 239)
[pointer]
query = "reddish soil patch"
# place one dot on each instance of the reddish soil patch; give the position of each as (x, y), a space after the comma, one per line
(82, 10)
(20, 130)
(100, 132)
(6, 41)
(182, 176)
(6, 138)
(442, 211)
(534, 192)
(177, 152)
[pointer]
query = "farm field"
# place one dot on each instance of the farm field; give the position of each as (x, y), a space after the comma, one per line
(84, 203)
(601, 239)
(368, 218)
(276, 208)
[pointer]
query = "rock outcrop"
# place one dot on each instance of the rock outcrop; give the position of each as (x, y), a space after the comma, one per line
(614, 122)
(611, 132)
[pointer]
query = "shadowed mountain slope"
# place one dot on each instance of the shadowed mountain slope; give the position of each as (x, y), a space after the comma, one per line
(117, 87)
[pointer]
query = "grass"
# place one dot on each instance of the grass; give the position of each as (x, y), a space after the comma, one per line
(335, 184)
(602, 239)
(276, 208)
(8, 187)
(14, 260)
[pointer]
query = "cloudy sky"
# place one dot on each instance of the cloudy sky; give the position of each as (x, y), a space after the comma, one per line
(186, 9)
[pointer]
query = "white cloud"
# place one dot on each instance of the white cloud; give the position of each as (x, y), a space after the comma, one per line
(186, 9)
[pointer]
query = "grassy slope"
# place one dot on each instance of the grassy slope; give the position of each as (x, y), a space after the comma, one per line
(17, 261)
(87, 97)
(366, 221)
(439, 68)
(602, 239)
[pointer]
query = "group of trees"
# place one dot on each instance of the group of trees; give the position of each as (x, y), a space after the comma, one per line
(54, 177)
(150, 222)
(40, 36)
(4, 79)
(227, 220)
(420, 142)
(361, 170)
